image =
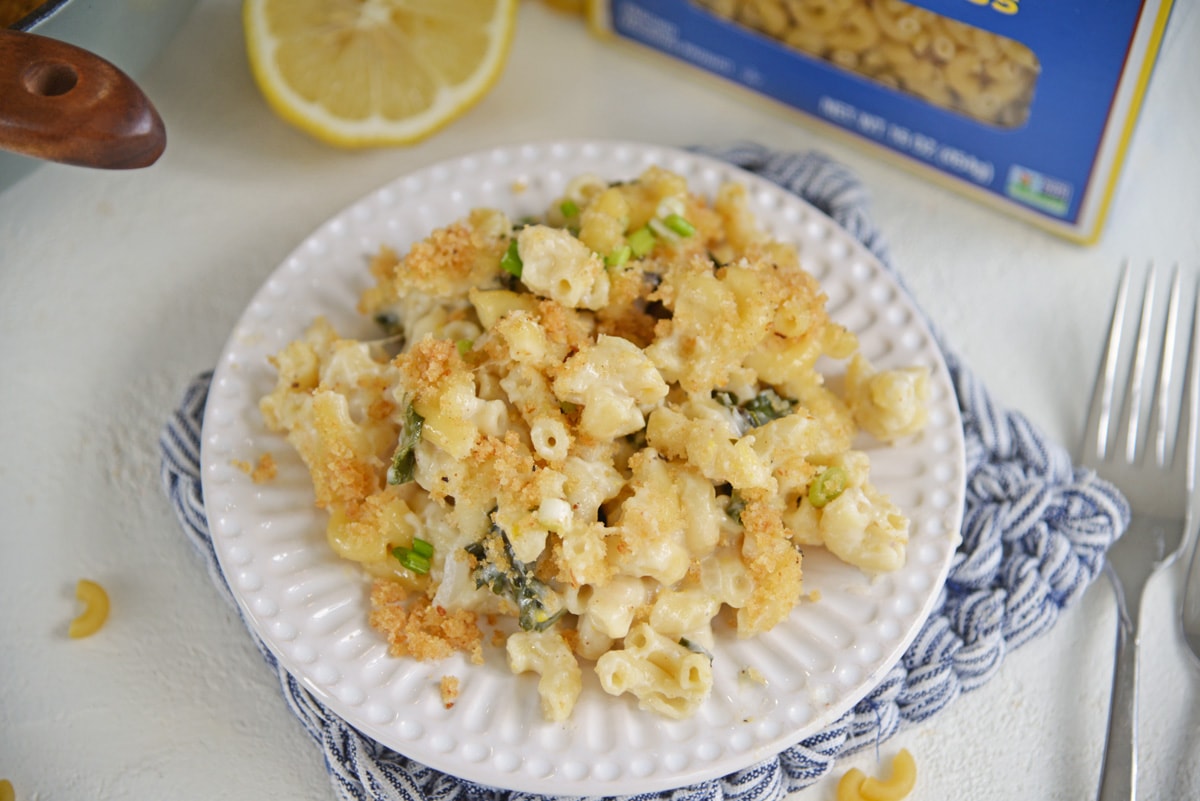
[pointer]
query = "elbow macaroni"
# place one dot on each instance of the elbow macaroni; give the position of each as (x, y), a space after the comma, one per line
(606, 450)
(857, 786)
(943, 61)
(547, 654)
(95, 609)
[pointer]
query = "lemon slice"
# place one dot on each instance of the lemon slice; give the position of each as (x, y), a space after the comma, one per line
(357, 73)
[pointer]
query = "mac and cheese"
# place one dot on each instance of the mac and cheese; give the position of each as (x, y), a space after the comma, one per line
(604, 427)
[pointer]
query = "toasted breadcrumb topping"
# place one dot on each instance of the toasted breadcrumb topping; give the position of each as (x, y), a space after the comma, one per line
(262, 471)
(448, 687)
(419, 629)
(774, 564)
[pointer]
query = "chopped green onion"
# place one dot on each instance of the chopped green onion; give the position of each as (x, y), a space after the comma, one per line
(829, 483)
(569, 208)
(464, 346)
(412, 560)
(422, 547)
(619, 256)
(679, 225)
(641, 242)
(510, 262)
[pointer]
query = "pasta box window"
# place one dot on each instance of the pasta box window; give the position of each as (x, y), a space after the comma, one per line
(1025, 104)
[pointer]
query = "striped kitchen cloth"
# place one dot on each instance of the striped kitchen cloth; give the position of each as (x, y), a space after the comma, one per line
(1034, 535)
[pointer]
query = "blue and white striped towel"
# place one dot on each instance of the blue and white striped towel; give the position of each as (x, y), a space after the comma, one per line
(1034, 535)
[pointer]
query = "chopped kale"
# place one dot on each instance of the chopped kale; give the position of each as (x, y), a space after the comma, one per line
(695, 648)
(405, 460)
(768, 405)
(389, 321)
(736, 505)
(498, 569)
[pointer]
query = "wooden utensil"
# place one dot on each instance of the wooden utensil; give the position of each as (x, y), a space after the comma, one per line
(62, 103)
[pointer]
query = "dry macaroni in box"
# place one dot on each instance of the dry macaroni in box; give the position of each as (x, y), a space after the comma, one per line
(1025, 104)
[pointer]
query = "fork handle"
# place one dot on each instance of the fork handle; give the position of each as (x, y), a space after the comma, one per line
(1118, 781)
(1190, 609)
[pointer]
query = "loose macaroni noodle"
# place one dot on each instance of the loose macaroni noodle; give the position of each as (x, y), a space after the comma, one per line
(857, 786)
(602, 429)
(948, 63)
(95, 609)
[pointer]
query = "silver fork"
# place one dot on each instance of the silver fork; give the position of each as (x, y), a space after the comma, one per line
(1146, 457)
(1190, 608)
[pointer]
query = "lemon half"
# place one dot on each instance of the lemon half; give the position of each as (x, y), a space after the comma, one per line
(358, 73)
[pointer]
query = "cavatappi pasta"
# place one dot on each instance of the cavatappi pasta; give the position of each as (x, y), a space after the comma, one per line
(948, 63)
(601, 429)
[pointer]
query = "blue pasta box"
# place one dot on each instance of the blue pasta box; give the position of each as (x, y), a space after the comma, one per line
(1027, 105)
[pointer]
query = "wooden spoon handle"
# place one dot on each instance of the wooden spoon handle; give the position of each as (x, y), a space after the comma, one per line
(61, 103)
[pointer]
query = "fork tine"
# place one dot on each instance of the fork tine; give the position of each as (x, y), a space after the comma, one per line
(1160, 418)
(1131, 414)
(1189, 412)
(1161, 413)
(1099, 416)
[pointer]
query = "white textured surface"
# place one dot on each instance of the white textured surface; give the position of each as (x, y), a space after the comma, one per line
(310, 607)
(116, 287)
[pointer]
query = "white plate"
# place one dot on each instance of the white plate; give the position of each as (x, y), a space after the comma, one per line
(311, 609)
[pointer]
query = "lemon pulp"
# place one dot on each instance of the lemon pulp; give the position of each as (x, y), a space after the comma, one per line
(376, 72)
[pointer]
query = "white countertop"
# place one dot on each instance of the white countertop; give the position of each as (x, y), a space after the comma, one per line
(116, 288)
